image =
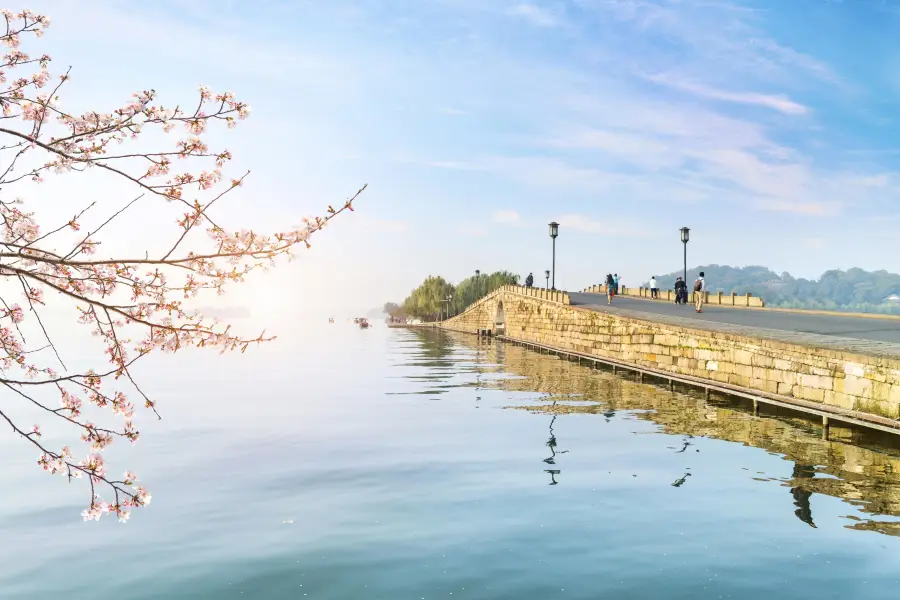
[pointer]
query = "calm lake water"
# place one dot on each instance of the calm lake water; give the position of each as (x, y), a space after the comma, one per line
(395, 464)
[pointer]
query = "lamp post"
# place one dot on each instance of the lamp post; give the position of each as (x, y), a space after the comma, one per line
(547, 275)
(554, 231)
(477, 284)
(449, 298)
(685, 237)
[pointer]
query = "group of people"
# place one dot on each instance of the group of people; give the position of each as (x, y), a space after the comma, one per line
(612, 286)
(681, 290)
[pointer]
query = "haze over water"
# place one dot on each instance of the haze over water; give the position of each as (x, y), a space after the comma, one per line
(395, 464)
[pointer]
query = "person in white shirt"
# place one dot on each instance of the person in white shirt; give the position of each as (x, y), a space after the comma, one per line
(654, 291)
(699, 288)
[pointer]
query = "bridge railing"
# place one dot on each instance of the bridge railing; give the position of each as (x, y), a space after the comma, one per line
(540, 293)
(721, 298)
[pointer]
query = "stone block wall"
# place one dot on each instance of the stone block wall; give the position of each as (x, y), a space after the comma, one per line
(479, 316)
(836, 378)
(490, 311)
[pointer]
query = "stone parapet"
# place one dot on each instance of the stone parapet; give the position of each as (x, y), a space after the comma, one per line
(718, 298)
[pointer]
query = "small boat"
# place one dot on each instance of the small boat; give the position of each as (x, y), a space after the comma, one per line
(363, 323)
(356, 320)
(331, 319)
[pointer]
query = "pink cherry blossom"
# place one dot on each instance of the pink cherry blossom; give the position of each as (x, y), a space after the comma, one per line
(134, 305)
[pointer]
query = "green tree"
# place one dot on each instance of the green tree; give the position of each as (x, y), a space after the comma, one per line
(392, 309)
(426, 302)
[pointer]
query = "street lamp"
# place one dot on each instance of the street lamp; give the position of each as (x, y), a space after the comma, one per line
(547, 275)
(685, 237)
(449, 298)
(554, 231)
(477, 283)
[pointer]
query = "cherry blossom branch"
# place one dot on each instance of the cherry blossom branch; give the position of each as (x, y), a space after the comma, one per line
(49, 140)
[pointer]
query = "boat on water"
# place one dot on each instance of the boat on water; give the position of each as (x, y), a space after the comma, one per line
(331, 319)
(363, 323)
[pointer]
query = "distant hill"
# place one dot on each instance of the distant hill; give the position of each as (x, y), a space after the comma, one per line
(854, 289)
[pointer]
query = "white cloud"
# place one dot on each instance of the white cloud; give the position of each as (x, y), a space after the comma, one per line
(507, 217)
(535, 15)
(553, 173)
(606, 226)
(812, 209)
(718, 37)
(774, 101)
(455, 112)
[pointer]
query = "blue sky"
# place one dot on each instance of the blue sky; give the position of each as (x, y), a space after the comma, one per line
(767, 126)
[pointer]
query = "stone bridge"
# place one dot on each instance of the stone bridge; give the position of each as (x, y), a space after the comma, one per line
(828, 364)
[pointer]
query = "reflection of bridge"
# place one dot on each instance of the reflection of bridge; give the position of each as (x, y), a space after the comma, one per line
(867, 478)
(837, 367)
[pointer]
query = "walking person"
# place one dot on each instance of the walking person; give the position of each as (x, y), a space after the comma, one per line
(680, 291)
(616, 282)
(654, 291)
(610, 288)
(699, 288)
(529, 281)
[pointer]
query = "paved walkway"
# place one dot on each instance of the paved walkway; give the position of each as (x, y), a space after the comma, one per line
(856, 334)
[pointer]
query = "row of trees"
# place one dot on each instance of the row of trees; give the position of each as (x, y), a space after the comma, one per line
(429, 300)
(854, 290)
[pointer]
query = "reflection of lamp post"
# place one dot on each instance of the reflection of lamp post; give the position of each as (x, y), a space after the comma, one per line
(547, 275)
(554, 231)
(685, 237)
(551, 443)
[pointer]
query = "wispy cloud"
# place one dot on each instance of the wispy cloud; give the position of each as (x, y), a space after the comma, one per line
(507, 217)
(535, 15)
(454, 112)
(717, 36)
(774, 101)
(609, 226)
(812, 209)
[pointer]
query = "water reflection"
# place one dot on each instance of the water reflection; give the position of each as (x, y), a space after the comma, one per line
(801, 496)
(861, 468)
(681, 480)
(551, 460)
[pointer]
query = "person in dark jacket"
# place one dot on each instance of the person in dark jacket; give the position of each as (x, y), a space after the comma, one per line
(529, 281)
(681, 296)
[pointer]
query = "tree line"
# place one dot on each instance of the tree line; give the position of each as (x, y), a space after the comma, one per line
(429, 300)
